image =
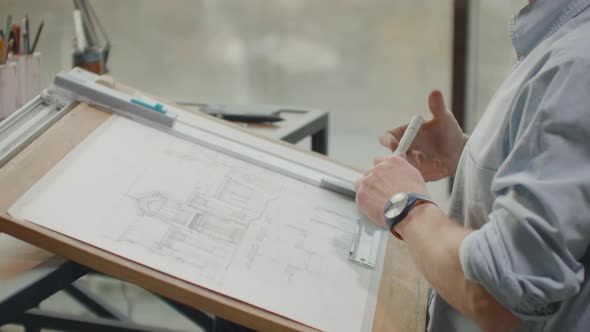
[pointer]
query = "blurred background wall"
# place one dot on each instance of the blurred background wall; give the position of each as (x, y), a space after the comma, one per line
(370, 63)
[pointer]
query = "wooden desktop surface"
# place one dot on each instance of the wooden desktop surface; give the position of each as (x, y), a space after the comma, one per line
(402, 295)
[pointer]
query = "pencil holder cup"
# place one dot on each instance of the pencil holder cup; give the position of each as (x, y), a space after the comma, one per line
(28, 69)
(8, 89)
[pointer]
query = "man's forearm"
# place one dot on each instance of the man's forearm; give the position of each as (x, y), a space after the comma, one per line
(434, 240)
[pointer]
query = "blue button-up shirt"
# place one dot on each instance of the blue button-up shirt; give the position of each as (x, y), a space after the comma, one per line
(523, 181)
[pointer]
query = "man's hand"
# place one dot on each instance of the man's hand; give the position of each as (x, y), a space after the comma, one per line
(388, 177)
(433, 241)
(436, 149)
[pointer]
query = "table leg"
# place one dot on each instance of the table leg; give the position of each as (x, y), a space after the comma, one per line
(319, 141)
(222, 325)
(32, 328)
(31, 288)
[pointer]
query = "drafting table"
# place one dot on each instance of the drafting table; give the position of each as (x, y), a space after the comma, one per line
(29, 274)
(402, 295)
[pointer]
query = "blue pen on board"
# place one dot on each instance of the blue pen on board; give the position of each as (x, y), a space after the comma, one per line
(156, 107)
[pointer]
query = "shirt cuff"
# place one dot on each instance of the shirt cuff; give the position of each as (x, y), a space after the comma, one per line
(484, 260)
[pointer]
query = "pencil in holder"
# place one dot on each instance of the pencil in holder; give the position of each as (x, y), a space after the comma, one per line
(28, 69)
(8, 89)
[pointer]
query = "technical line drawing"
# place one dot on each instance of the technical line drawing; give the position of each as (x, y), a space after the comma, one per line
(342, 224)
(157, 205)
(291, 271)
(333, 219)
(253, 253)
(209, 224)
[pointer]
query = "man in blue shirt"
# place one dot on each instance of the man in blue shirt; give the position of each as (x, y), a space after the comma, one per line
(513, 250)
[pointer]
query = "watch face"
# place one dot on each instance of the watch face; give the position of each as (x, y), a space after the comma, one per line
(398, 203)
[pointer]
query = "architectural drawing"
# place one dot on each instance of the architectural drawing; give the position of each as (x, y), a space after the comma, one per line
(204, 230)
(209, 219)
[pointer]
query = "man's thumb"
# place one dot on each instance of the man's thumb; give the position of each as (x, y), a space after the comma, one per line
(436, 104)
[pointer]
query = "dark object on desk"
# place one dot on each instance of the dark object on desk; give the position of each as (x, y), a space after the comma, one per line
(244, 117)
(237, 113)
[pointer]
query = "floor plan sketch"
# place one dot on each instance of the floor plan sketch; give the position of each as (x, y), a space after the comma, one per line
(210, 219)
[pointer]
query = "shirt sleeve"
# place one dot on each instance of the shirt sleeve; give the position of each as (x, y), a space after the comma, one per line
(528, 253)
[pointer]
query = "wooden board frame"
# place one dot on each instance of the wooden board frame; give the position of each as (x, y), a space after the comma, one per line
(402, 295)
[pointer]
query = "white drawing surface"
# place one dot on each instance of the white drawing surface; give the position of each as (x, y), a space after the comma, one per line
(210, 219)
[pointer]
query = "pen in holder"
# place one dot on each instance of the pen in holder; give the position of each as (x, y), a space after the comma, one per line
(28, 71)
(8, 89)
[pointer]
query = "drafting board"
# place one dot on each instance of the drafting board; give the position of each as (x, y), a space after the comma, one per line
(404, 310)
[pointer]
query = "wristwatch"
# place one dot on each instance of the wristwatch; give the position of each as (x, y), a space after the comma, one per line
(398, 207)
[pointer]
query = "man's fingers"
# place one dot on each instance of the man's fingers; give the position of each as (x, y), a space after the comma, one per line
(379, 159)
(416, 158)
(358, 182)
(436, 104)
(413, 158)
(390, 139)
(363, 178)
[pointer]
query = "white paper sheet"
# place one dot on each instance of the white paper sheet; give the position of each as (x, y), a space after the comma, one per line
(209, 219)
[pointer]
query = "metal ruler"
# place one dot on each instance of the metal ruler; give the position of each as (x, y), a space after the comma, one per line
(75, 86)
